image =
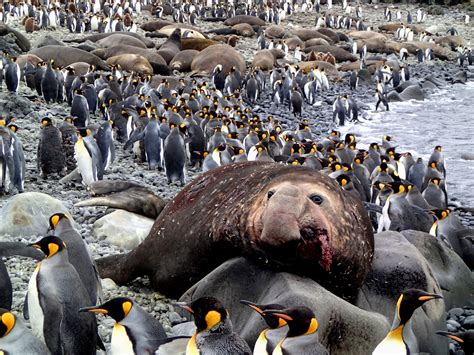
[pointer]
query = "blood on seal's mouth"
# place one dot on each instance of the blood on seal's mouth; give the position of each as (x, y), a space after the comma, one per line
(314, 245)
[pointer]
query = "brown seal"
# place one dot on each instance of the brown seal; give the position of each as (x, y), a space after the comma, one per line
(152, 26)
(251, 20)
(266, 59)
(182, 61)
(63, 56)
(197, 43)
(119, 40)
(98, 36)
(244, 29)
(151, 55)
(316, 42)
(132, 63)
(291, 218)
(339, 53)
(205, 62)
(308, 33)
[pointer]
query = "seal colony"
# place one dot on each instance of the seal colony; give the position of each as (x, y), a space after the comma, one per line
(276, 190)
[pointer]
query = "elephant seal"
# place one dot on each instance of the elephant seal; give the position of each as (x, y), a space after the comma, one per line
(172, 46)
(182, 61)
(120, 39)
(28, 58)
(197, 43)
(152, 26)
(149, 54)
(205, 62)
(329, 33)
(80, 68)
(98, 36)
(290, 218)
(306, 34)
(266, 59)
(132, 63)
(275, 31)
(21, 41)
(125, 195)
(251, 20)
(244, 29)
(316, 42)
(329, 68)
(340, 54)
(63, 56)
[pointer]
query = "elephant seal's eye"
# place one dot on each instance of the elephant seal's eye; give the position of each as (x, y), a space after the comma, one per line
(316, 199)
(270, 194)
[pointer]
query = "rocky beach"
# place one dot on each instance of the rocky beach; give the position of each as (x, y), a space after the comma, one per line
(109, 233)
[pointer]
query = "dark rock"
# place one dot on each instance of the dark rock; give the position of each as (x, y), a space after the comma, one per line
(405, 84)
(8, 45)
(343, 328)
(399, 266)
(452, 274)
(459, 78)
(394, 96)
(468, 322)
(453, 323)
(456, 312)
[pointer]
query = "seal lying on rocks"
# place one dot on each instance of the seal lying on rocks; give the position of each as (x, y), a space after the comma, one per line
(288, 217)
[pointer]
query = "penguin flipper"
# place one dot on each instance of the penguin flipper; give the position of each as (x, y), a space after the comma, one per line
(134, 137)
(53, 316)
(19, 249)
(26, 312)
(372, 207)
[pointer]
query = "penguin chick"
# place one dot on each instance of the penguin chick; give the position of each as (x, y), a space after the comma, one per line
(135, 331)
(50, 153)
(16, 338)
(301, 337)
(55, 294)
(396, 341)
(276, 330)
(213, 329)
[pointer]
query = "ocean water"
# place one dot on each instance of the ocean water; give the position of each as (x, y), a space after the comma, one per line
(446, 118)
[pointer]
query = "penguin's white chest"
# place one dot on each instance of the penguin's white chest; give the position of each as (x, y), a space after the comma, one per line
(34, 308)
(84, 163)
(121, 343)
(261, 345)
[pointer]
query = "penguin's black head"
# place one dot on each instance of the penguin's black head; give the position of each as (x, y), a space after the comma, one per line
(272, 320)
(436, 181)
(13, 127)
(349, 139)
(465, 339)
(49, 245)
(397, 187)
(343, 180)
(117, 308)
(301, 320)
(410, 300)
(335, 134)
(207, 312)
(46, 121)
(55, 218)
(335, 166)
(440, 214)
(374, 146)
(432, 164)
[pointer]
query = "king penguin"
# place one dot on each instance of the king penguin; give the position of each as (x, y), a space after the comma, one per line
(302, 336)
(401, 340)
(213, 329)
(135, 331)
(88, 157)
(79, 254)
(55, 294)
(49, 83)
(16, 338)
(18, 159)
(105, 142)
(277, 328)
(465, 339)
(12, 75)
(174, 154)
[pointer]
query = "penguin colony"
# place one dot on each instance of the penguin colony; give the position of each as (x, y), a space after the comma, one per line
(172, 124)
(175, 123)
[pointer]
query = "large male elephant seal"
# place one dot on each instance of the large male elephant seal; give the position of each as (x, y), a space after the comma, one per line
(290, 218)
(63, 56)
(205, 62)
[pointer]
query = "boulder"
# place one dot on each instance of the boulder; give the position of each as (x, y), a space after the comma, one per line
(122, 229)
(394, 96)
(452, 274)
(27, 214)
(397, 266)
(343, 328)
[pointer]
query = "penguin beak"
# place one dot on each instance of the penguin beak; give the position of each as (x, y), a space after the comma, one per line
(34, 245)
(184, 306)
(94, 309)
(279, 313)
(428, 297)
(451, 336)
(252, 305)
